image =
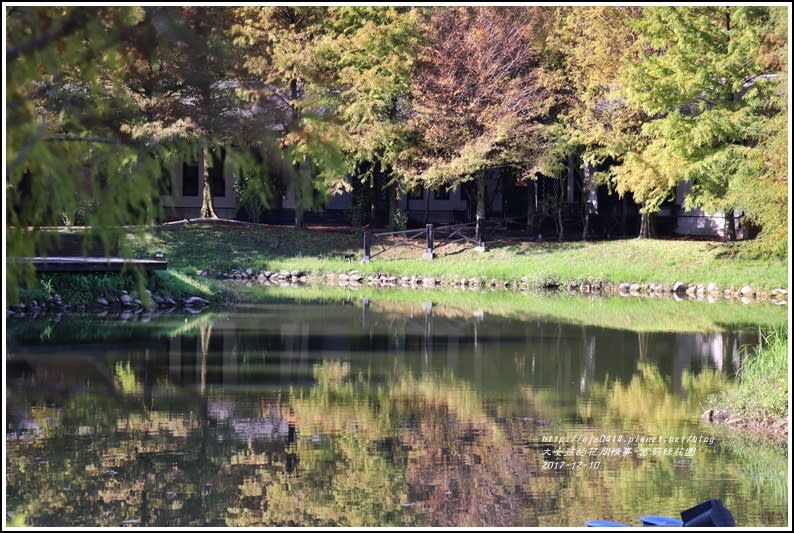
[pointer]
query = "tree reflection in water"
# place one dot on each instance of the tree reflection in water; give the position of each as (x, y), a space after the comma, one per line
(405, 418)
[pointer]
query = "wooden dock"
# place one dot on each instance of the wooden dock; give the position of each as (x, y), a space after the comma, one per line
(94, 264)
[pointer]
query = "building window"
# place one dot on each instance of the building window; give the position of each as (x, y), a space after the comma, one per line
(417, 193)
(190, 180)
(216, 175)
(441, 194)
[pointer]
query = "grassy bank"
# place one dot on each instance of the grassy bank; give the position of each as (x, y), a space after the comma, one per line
(222, 247)
(761, 392)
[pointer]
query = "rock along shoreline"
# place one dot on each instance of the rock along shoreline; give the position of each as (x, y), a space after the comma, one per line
(124, 305)
(128, 305)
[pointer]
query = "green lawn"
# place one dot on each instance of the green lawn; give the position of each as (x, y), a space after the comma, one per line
(221, 247)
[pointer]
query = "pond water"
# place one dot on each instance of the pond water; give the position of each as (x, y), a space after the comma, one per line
(364, 411)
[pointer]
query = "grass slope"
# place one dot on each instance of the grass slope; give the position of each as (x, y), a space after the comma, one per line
(223, 247)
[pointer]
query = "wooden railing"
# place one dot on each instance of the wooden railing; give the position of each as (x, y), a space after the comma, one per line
(402, 238)
(473, 232)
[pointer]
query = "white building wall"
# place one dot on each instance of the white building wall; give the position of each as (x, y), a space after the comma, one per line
(337, 201)
(696, 221)
(181, 206)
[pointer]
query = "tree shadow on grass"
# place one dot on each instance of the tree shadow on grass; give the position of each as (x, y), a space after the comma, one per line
(534, 247)
(722, 250)
(219, 245)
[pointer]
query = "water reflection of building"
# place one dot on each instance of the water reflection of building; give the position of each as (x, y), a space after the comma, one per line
(271, 421)
(274, 348)
(490, 352)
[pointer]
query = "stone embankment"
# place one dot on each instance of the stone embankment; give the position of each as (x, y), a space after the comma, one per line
(130, 304)
(263, 277)
(747, 294)
(124, 304)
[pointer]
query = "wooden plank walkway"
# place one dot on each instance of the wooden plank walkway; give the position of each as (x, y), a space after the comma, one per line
(94, 264)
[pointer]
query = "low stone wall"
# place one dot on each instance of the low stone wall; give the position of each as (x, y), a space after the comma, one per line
(263, 276)
(130, 305)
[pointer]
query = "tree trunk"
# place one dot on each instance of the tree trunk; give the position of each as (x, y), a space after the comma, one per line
(207, 205)
(570, 185)
(586, 225)
(589, 196)
(623, 216)
(299, 197)
(299, 175)
(393, 206)
(560, 227)
(559, 208)
(481, 195)
(427, 205)
(730, 226)
(647, 229)
(373, 199)
(532, 207)
(298, 216)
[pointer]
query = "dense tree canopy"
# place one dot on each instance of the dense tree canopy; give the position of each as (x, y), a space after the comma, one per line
(343, 78)
(700, 74)
(587, 50)
(478, 95)
(99, 100)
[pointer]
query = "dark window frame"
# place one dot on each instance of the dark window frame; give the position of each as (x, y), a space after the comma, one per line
(216, 174)
(191, 173)
(443, 194)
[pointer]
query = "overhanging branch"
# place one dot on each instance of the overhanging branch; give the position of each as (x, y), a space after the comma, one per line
(73, 21)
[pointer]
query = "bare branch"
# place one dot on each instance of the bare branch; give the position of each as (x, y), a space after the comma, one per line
(82, 138)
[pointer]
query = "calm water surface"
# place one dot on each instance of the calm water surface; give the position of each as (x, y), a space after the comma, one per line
(372, 413)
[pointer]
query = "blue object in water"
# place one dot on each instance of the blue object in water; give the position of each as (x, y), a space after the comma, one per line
(661, 521)
(604, 523)
(710, 513)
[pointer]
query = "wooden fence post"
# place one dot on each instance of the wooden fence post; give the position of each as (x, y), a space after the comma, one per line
(480, 234)
(428, 241)
(367, 241)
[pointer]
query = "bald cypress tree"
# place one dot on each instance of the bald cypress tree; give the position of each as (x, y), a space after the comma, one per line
(701, 75)
(69, 148)
(478, 96)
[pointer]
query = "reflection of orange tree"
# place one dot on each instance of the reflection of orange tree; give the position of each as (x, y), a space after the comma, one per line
(145, 468)
(406, 451)
(462, 468)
